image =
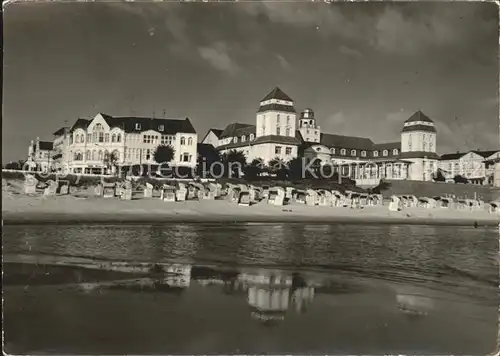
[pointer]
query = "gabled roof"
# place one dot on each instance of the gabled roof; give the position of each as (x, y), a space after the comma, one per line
(217, 132)
(278, 94)
(419, 116)
(236, 128)
(387, 146)
(418, 154)
(452, 156)
(339, 141)
(128, 124)
(61, 131)
(46, 145)
(485, 154)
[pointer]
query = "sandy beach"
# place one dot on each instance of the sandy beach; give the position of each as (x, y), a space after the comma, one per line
(23, 209)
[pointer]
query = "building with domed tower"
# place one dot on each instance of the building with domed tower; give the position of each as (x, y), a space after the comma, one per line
(278, 133)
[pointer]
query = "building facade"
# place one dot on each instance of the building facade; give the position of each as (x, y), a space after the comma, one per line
(477, 166)
(40, 155)
(279, 134)
(87, 145)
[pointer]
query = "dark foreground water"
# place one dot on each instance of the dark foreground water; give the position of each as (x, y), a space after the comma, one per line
(250, 288)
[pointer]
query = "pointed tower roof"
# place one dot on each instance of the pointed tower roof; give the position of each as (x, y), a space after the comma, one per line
(419, 116)
(278, 94)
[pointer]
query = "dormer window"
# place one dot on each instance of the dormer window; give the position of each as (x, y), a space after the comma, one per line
(363, 153)
(353, 152)
(343, 152)
(375, 153)
(385, 153)
(161, 128)
(243, 138)
(235, 140)
(137, 126)
(251, 137)
(395, 151)
(332, 151)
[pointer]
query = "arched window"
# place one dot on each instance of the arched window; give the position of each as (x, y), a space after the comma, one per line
(278, 118)
(278, 131)
(288, 119)
(77, 138)
(106, 137)
(395, 151)
(94, 136)
(100, 156)
(385, 152)
(363, 153)
(183, 140)
(87, 155)
(118, 138)
(89, 137)
(94, 155)
(101, 136)
(287, 132)
(243, 138)
(251, 137)
(235, 140)
(375, 153)
(332, 151)
(343, 152)
(353, 152)
(113, 138)
(190, 141)
(116, 154)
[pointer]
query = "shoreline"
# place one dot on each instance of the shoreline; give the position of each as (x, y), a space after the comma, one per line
(26, 210)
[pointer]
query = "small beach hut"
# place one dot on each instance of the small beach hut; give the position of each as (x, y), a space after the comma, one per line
(363, 199)
(265, 191)
(126, 190)
(276, 196)
(255, 193)
(148, 190)
(426, 203)
(168, 193)
(51, 188)
(375, 200)
(395, 204)
(244, 198)
(30, 183)
(325, 197)
(63, 186)
(445, 202)
(181, 192)
(494, 207)
(337, 198)
(108, 190)
(311, 197)
(300, 196)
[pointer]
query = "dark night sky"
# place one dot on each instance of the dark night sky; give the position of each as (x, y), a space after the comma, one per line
(363, 67)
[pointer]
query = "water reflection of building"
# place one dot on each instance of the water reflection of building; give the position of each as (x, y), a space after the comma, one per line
(409, 301)
(177, 276)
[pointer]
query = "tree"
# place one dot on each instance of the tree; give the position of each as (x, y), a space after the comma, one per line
(439, 176)
(164, 154)
(295, 169)
(233, 162)
(110, 159)
(205, 163)
(254, 169)
(278, 167)
(460, 179)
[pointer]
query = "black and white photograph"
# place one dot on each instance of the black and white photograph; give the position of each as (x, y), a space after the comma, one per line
(250, 177)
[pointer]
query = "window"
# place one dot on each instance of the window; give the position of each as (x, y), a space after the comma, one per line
(87, 155)
(113, 138)
(288, 120)
(148, 154)
(278, 118)
(190, 141)
(278, 131)
(277, 150)
(106, 137)
(89, 138)
(161, 128)
(138, 154)
(94, 155)
(235, 140)
(100, 156)
(353, 152)
(288, 150)
(243, 138)
(316, 132)
(343, 152)
(185, 157)
(363, 153)
(375, 153)
(287, 132)
(385, 152)
(137, 126)
(395, 151)
(101, 136)
(332, 151)
(318, 149)
(118, 138)
(183, 140)
(251, 137)
(425, 146)
(94, 136)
